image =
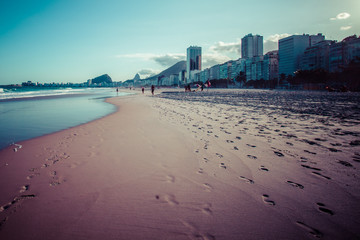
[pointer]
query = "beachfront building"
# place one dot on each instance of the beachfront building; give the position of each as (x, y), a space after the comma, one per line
(271, 65)
(194, 76)
(182, 77)
(225, 70)
(151, 81)
(292, 48)
(342, 53)
(205, 75)
(237, 67)
(214, 72)
(254, 68)
(193, 61)
(174, 79)
(317, 56)
(251, 46)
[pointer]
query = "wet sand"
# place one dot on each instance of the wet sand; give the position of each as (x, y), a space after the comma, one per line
(225, 164)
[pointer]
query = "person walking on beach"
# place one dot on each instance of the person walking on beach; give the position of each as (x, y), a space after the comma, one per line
(142, 89)
(152, 89)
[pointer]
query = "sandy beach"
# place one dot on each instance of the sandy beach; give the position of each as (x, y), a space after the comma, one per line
(223, 164)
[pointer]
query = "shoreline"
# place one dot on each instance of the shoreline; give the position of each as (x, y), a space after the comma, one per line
(20, 124)
(172, 169)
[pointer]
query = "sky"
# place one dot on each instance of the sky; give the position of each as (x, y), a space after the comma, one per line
(76, 40)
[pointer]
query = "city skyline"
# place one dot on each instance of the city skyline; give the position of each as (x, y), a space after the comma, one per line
(72, 41)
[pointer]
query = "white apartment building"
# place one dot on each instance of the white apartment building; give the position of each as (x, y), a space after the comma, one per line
(291, 50)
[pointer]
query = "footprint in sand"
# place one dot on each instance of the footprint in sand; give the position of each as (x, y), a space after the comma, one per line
(312, 168)
(200, 171)
(222, 165)
(206, 208)
(74, 165)
(170, 178)
(219, 155)
(236, 148)
(34, 173)
(322, 208)
(266, 200)
(195, 233)
(56, 180)
(316, 233)
(251, 157)
(307, 151)
(24, 188)
(334, 150)
(279, 154)
(168, 198)
(17, 147)
(321, 175)
(247, 180)
(16, 200)
(356, 157)
(263, 168)
(208, 187)
(345, 163)
(249, 145)
(294, 184)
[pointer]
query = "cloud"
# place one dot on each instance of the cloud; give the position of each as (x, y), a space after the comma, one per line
(168, 59)
(148, 72)
(344, 28)
(341, 16)
(217, 53)
(211, 59)
(234, 47)
(164, 60)
(271, 42)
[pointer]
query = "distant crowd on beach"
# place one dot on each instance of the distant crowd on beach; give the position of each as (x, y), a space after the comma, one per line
(200, 87)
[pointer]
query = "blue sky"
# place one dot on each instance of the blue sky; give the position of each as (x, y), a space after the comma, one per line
(74, 40)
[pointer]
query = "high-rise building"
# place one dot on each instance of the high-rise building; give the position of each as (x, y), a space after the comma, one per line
(316, 56)
(254, 68)
(193, 60)
(292, 48)
(214, 72)
(271, 65)
(251, 46)
(342, 53)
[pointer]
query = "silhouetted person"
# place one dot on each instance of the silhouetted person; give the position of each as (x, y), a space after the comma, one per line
(142, 89)
(152, 89)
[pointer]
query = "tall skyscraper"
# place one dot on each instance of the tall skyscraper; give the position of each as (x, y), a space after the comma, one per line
(193, 60)
(251, 46)
(292, 48)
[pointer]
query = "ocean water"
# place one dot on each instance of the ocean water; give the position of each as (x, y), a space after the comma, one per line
(29, 113)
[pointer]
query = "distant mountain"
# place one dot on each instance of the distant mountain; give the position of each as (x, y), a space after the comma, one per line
(174, 69)
(102, 79)
(137, 77)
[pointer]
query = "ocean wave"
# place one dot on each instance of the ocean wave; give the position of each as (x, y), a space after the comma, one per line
(17, 93)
